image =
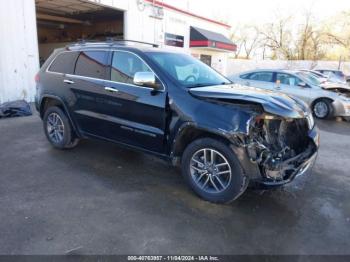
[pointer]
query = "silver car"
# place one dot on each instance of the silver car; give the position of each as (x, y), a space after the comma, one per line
(334, 75)
(325, 99)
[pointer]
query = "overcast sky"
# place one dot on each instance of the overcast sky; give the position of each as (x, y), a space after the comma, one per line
(255, 11)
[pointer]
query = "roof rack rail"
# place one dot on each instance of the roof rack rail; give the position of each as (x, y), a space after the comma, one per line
(83, 41)
(111, 39)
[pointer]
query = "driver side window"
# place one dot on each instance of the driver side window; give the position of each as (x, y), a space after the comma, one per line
(125, 65)
(287, 79)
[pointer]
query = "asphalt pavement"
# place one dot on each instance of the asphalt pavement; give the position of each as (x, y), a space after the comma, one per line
(101, 199)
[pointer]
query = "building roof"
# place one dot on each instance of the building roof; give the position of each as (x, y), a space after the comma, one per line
(205, 38)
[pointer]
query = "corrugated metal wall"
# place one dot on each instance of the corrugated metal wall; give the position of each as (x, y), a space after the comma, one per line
(19, 60)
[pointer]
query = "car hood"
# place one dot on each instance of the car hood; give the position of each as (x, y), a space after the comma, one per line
(332, 85)
(272, 102)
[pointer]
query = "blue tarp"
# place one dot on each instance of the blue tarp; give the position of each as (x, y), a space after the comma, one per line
(15, 109)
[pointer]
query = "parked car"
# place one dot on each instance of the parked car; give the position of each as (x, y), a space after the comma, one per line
(321, 77)
(335, 75)
(325, 82)
(173, 106)
(326, 100)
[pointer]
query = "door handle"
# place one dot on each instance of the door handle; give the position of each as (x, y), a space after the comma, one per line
(67, 81)
(111, 89)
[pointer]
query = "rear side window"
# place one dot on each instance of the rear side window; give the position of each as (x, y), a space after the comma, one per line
(64, 63)
(262, 76)
(92, 64)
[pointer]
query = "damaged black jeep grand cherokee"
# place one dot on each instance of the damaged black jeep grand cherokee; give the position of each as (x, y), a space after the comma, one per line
(171, 105)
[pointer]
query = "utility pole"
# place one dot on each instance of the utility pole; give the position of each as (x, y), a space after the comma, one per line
(339, 64)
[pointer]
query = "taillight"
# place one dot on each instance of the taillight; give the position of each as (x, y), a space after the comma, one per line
(37, 78)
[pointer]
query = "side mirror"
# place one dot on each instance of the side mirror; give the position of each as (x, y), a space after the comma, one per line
(302, 84)
(147, 79)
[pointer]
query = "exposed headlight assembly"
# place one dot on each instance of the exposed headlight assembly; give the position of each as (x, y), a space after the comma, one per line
(309, 118)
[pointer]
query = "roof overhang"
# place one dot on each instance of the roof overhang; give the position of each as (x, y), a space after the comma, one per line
(67, 6)
(207, 39)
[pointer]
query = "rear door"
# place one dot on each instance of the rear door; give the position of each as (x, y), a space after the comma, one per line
(139, 118)
(90, 100)
(56, 73)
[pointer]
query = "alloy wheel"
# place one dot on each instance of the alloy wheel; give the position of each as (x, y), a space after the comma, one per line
(321, 109)
(210, 170)
(55, 128)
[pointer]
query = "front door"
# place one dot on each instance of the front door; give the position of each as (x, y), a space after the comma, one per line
(291, 85)
(137, 113)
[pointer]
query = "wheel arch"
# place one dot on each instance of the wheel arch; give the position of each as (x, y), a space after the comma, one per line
(327, 100)
(190, 132)
(321, 98)
(48, 101)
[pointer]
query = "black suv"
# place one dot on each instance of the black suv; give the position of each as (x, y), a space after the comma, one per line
(169, 104)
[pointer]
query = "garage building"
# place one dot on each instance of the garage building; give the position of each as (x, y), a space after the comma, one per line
(32, 29)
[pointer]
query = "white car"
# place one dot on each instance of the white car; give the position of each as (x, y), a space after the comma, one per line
(325, 99)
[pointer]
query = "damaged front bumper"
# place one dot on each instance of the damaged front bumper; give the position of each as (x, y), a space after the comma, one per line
(287, 169)
(304, 168)
(341, 108)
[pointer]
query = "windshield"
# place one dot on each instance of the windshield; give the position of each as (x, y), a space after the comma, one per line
(309, 78)
(187, 70)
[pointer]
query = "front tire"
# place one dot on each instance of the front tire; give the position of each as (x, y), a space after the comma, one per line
(213, 171)
(58, 129)
(322, 109)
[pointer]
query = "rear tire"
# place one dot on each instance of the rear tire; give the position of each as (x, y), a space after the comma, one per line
(213, 171)
(322, 109)
(58, 129)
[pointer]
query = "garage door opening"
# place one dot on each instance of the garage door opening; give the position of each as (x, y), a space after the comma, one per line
(62, 22)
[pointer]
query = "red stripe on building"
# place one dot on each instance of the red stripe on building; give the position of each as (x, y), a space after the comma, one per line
(199, 43)
(161, 4)
(226, 46)
(212, 44)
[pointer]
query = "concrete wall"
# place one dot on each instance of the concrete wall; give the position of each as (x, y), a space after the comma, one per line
(19, 50)
(235, 66)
